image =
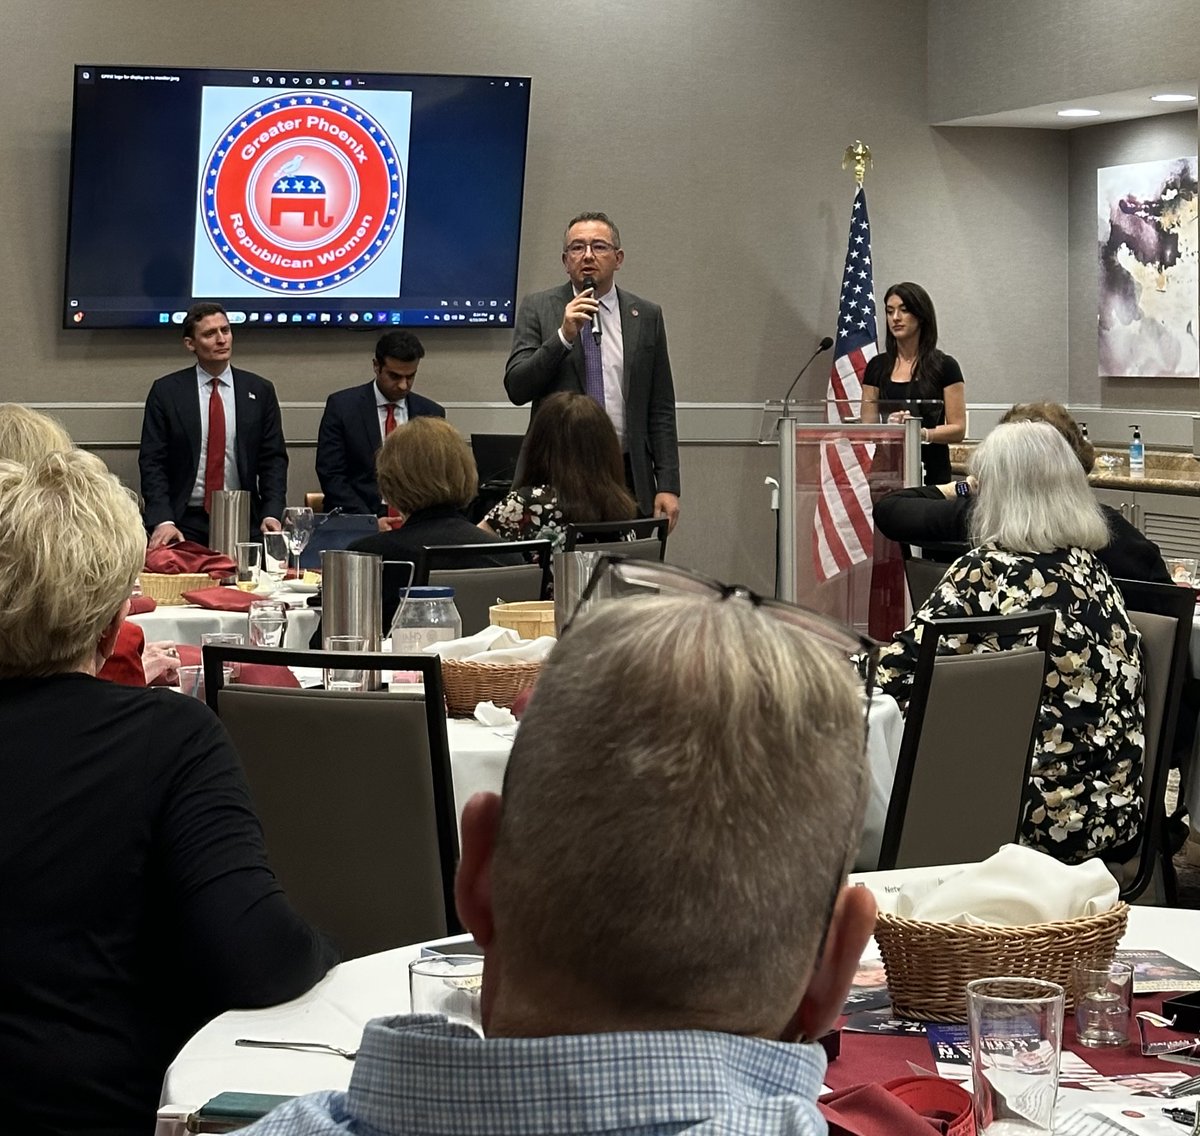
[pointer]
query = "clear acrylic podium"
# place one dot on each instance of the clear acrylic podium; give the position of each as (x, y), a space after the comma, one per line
(830, 475)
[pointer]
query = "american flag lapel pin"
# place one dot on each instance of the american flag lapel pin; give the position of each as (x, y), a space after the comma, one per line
(252, 394)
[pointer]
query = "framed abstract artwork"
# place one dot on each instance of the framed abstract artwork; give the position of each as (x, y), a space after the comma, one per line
(1148, 297)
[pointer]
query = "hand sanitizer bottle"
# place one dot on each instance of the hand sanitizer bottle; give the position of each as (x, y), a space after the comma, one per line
(1137, 454)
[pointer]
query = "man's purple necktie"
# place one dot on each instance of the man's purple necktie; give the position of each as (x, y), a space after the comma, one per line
(593, 369)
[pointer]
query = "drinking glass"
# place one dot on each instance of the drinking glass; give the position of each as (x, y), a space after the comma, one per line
(450, 985)
(1103, 992)
(249, 564)
(1016, 1040)
(275, 555)
(223, 639)
(298, 526)
(345, 678)
(266, 623)
(191, 681)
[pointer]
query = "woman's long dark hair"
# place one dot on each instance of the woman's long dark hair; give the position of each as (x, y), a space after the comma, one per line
(573, 448)
(929, 359)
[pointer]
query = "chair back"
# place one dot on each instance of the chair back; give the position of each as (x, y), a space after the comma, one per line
(962, 775)
(1163, 615)
(649, 538)
(362, 836)
(923, 573)
(477, 588)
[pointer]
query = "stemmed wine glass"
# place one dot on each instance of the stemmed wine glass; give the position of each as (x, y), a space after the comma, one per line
(298, 525)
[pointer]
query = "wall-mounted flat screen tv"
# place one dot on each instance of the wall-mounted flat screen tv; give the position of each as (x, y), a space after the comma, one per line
(295, 198)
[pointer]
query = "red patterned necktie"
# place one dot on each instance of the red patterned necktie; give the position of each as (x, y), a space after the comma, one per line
(214, 464)
(389, 424)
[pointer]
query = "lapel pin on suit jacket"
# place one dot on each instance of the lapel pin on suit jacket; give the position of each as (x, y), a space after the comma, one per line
(252, 395)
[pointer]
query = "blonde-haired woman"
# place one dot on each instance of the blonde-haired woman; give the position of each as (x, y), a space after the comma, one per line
(1036, 529)
(427, 473)
(136, 897)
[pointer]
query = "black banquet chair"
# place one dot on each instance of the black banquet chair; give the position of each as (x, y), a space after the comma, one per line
(963, 769)
(355, 794)
(649, 538)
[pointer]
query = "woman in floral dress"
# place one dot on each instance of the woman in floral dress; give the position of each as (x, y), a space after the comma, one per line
(570, 472)
(1036, 528)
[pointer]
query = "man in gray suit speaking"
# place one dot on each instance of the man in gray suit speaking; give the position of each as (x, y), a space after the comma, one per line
(586, 335)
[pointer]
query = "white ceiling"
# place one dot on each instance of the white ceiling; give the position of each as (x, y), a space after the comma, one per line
(1116, 106)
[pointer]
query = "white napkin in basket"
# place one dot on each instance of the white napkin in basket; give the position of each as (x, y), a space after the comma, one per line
(1015, 887)
(494, 645)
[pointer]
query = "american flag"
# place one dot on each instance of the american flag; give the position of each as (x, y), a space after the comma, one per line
(842, 527)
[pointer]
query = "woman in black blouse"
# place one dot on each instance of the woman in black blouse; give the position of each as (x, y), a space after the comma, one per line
(136, 902)
(912, 369)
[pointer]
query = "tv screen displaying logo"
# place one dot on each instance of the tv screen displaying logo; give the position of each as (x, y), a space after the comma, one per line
(306, 199)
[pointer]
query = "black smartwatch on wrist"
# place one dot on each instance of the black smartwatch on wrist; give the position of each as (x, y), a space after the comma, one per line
(962, 489)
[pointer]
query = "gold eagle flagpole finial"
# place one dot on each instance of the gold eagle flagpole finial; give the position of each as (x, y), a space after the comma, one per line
(858, 155)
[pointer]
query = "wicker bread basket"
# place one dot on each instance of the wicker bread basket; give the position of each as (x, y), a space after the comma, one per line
(929, 964)
(469, 683)
(528, 618)
(168, 589)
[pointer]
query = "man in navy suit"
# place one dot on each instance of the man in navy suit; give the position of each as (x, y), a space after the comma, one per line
(555, 347)
(356, 421)
(182, 410)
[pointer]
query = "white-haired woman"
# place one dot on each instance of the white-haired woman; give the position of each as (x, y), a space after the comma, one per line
(1036, 528)
(135, 895)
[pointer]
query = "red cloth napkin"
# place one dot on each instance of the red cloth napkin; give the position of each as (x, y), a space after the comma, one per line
(188, 556)
(251, 674)
(909, 1106)
(222, 599)
(124, 665)
(139, 605)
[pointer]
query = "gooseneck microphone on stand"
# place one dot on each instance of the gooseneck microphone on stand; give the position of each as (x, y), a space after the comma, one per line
(590, 282)
(824, 345)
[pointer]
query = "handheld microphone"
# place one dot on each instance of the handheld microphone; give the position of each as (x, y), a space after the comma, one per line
(824, 345)
(590, 282)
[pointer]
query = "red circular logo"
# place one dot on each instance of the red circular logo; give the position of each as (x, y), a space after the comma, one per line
(301, 194)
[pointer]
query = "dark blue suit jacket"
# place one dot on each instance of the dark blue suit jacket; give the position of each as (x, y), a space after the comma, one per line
(346, 445)
(170, 450)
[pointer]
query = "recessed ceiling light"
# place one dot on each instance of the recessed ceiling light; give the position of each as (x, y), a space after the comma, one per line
(1078, 112)
(1172, 98)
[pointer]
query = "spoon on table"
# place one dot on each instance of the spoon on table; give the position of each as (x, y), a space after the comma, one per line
(300, 1046)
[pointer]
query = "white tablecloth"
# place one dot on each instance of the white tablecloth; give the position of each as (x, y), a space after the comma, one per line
(338, 1007)
(185, 624)
(478, 756)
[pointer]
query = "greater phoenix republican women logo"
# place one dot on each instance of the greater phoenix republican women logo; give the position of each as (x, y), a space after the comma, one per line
(302, 193)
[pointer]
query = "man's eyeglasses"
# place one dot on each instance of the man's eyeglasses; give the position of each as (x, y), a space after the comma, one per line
(599, 248)
(616, 576)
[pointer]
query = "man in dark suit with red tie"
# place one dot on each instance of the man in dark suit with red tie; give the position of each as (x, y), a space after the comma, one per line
(356, 421)
(208, 427)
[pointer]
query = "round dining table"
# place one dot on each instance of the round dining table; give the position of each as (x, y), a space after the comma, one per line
(186, 623)
(336, 1009)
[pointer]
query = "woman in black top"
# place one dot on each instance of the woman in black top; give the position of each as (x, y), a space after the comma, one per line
(136, 902)
(912, 369)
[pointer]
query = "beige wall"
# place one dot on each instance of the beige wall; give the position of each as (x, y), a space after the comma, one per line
(986, 57)
(719, 153)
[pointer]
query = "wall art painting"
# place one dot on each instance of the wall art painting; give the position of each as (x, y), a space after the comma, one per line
(1147, 316)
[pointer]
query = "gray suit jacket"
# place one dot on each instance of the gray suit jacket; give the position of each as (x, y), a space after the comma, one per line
(539, 365)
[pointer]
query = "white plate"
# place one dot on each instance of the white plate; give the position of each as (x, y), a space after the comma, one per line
(299, 587)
